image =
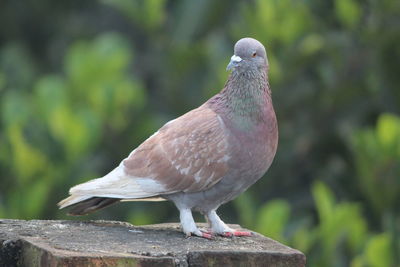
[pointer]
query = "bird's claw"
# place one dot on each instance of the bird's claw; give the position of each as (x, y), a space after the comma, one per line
(207, 235)
(203, 234)
(236, 233)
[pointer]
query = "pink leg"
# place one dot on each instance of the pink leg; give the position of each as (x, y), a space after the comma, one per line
(189, 227)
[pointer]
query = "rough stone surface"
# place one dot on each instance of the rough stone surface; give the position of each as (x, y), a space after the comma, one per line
(111, 243)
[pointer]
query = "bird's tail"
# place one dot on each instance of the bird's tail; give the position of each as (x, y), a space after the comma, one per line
(114, 187)
(86, 206)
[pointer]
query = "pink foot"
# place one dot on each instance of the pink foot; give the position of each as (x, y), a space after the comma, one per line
(201, 234)
(207, 235)
(236, 233)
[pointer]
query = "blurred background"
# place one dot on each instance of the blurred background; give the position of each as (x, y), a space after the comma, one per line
(82, 83)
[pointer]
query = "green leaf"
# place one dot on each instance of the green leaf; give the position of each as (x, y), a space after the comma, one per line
(27, 161)
(50, 93)
(77, 129)
(89, 64)
(15, 108)
(377, 157)
(324, 201)
(285, 20)
(378, 251)
(273, 218)
(34, 200)
(245, 209)
(388, 131)
(98, 76)
(312, 43)
(348, 12)
(303, 239)
(148, 13)
(141, 217)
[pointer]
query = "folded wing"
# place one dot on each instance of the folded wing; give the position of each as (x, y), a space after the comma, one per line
(187, 154)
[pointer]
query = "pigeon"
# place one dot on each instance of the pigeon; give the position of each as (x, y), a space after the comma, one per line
(202, 159)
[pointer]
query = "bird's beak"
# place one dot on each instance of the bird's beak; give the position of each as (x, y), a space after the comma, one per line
(234, 62)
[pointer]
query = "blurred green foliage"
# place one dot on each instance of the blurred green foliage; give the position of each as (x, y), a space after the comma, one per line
(83, 83)
(342, 231)
(377, 155)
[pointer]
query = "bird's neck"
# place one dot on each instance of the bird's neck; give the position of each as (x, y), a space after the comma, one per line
(246, 98)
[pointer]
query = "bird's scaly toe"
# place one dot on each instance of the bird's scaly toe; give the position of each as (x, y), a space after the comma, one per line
(199, 233)
(236, 233)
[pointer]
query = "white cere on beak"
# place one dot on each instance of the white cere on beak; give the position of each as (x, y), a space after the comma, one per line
(236, 59)
(234, 62)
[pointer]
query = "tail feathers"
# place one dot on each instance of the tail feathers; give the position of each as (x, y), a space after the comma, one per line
(71, 200)
(115, 186)
(90, 205)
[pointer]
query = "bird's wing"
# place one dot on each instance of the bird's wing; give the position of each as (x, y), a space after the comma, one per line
(187, 154)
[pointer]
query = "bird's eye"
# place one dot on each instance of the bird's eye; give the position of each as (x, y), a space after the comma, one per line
(254, 54)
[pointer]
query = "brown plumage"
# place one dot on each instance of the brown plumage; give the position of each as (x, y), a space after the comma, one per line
(186, 154)
(202, 159)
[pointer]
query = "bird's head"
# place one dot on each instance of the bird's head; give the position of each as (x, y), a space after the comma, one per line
(249, 55)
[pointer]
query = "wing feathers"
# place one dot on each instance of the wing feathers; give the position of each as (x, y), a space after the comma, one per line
(187, 154)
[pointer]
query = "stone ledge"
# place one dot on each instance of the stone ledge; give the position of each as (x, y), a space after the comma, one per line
(111, 243)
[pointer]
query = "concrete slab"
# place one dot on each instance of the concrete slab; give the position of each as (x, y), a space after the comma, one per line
(112, 243)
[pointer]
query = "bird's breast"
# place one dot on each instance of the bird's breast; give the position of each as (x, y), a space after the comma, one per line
(254, 150)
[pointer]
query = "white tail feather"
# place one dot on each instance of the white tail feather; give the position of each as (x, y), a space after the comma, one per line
(71, 200)
(116, 184)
